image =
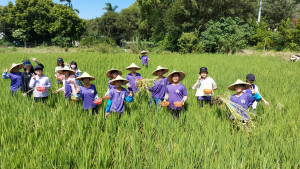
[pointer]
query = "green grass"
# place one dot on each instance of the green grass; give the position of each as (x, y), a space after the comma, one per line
(56, 135)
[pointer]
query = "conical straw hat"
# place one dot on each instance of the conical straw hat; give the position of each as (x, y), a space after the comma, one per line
(66, 68)
(19, 65)
(143, 52)
(181, 77)
(239, 82)
(133, 65)
(165, 70)
(85, 75)
(108, 73)
(118, 78)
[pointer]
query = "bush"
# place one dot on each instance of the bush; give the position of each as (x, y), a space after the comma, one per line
(228, 35)
(189, 43)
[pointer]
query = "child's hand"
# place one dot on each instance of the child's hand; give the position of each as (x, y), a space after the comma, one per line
(34, 59)
(253, 91)
(182, 102)
(56, 91)
(130, 94)
(267, 103)
(24, 94)
(106, 114)
(33, 76)
(5, 70)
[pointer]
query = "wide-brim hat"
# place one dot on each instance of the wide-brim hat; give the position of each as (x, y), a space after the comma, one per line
(72, 72)
(108, 73)
(165, 70)
(142, 52)
(26, 62)
(119, 78)
(239, 82)
(85, 75)
(18, 65)
(181, 75)
(133, 65)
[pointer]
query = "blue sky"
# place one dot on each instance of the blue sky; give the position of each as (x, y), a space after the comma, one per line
(90, 9)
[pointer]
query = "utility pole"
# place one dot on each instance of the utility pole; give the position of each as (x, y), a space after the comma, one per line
(259, 12)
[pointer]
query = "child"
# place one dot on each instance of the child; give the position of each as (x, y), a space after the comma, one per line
(15, 76)
(133, 77)
(176, 92)
(245, 100)
(40, 80)
(73, 66)
(144, 58)
(27, 75)
(250, 78)
(159, 86)
(295, 58)
(60, 65)
(204, 82)
(112, 74)
(70, 86)
(117, 96)
(88, 93)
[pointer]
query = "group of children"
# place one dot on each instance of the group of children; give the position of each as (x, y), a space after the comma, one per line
(164, 89)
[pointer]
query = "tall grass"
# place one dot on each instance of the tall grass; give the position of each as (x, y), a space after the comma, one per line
(59, 135)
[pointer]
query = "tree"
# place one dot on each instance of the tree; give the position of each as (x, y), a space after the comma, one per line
(21, 35)
(70, 5)
(109, 7)
(276, 10)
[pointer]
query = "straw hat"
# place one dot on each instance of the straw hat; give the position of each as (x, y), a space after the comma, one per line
(133, 65)
(239, 82)
(118, 78)
(181, 77)
(85, 75)
(108, 74)
(19, 65)
(142, 52)
(66, 68)
(165, 70)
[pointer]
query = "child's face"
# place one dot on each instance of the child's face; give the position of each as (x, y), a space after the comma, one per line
(133, 69)
(250, 81)
(86, 80)
(239, 88)
(66, 73)
(27, 67)
(114, 75)
(118, 84)
(38, 72)
(203, 75)
(73, 66)
(59, 63)
(144, 54)
(175, 78)
(160, 72)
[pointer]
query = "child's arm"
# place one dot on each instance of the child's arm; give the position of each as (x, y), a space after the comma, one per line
(4, 75)
(48, 83)
(166, 97)
(262, 98)
(195, 86)
(184, 99)
(214, 85)
(108, 104)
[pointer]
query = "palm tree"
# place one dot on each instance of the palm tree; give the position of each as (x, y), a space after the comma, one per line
(109, 7)
(69, 4)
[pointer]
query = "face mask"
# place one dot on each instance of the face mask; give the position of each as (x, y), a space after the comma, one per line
(73, 66)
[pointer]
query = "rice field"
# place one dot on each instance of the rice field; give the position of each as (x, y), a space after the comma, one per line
(59, 135)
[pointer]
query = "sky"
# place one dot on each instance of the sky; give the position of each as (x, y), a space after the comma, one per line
(90, 9)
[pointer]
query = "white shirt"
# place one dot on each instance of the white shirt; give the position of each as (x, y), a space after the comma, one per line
(43, 81)
(207, 83)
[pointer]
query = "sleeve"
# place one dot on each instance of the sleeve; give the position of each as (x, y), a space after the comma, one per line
(140, 57)
(111, 94)
(48, 83)
(128, 99)
(251, 100)
(108, 104)
(4, 75)
(151, 88)
(256, 89)
(213, 83)
(32, 83)
(256, 97)
(184, 91)
(107, 92)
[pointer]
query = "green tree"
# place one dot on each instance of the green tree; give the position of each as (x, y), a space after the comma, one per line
(109, 7)
(276, 10)
(70, 5)
(21, 35)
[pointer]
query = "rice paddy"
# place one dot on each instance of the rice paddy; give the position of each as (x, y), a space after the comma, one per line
(58, 135)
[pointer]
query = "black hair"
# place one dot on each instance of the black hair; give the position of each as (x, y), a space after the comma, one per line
(73, 63)
(63, 64)
(114, 71)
